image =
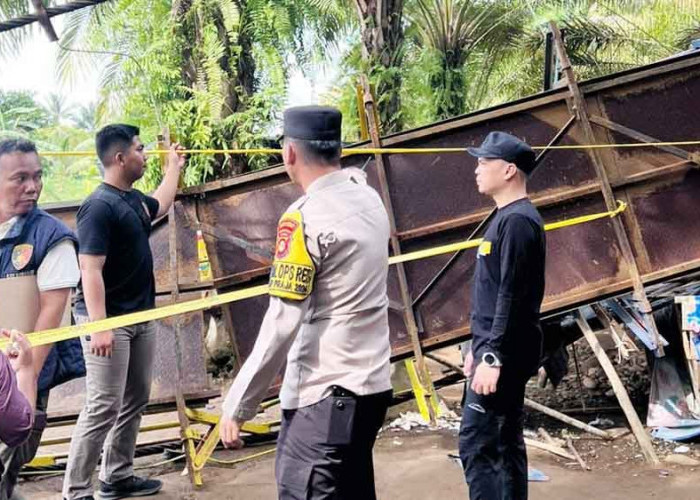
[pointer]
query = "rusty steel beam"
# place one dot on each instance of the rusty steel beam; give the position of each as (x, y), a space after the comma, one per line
(407, 309)
(638, 136)
(164, 143)
(581, 110)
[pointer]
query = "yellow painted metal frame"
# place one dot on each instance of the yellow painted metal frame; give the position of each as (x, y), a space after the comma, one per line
(424, 395)
(198, 446)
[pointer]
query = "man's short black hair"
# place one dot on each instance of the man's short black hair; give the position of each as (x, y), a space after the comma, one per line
(114, 137)
(324, 152)
(9, 146)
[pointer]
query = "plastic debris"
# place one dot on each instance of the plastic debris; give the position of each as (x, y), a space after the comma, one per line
(412, 420)
(536, 475)
(602, 423)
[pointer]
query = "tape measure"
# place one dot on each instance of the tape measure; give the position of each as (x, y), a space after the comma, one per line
(69, 332)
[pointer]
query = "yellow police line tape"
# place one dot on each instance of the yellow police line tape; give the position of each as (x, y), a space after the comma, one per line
(68, 332)
(371, 151)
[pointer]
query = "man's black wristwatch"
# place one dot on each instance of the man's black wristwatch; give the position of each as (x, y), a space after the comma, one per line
(491, 360)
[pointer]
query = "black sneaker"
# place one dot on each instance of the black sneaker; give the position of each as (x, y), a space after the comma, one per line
(130, 487)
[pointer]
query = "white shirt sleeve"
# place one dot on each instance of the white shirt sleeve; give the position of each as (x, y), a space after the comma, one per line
(279, 328)
(59, 269)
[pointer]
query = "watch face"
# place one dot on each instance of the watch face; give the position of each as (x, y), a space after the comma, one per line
(490, 359)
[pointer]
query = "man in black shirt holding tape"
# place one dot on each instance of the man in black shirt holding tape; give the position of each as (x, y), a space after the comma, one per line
(116, 266)
(507, 339)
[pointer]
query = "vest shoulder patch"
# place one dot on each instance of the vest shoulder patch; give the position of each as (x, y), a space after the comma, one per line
(21, 255)
(293, 270)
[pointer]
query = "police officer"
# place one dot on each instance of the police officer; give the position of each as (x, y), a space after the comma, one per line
(328, 317)
(38, 270)
(507, 339)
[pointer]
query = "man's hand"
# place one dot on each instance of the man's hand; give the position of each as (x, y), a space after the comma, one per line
(176, 159)
(468, 364)
(485, 379)
(101, 344)
(19, 352)
(230, 430)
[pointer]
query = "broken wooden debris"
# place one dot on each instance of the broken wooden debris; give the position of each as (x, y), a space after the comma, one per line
(567, 419)
(556, 450)
(582, 463)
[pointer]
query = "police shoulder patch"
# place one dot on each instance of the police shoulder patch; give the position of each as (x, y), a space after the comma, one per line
(21, 255)
(293, 270)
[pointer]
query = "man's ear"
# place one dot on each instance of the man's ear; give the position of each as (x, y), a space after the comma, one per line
(119, 157)
(511, 171)
(289, 153)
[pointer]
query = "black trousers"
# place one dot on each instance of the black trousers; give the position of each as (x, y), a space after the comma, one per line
(491, 443)
(324, 451)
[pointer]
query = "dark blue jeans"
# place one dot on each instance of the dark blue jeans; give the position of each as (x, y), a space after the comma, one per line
(491, 443)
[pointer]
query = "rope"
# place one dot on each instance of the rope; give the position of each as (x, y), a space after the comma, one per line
(373, 151)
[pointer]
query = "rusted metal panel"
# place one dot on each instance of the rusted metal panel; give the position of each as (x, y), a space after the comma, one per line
(251, 216)
(69, 398)
(430, 188)
(669, 221)
(187, 248)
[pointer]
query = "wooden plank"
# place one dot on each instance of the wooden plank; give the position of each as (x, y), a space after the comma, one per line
(556, 450)
(580, 107)
(566, 419)
(638, 429)
(582, 463)
(164, 141)
(407, 302)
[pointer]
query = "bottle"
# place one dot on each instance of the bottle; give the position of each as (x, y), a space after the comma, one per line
(204, 265)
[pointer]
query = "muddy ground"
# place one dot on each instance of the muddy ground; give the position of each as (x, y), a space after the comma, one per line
(417, 463)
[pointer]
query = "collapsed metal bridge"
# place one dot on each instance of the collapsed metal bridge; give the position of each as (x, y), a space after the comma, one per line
(433, 200)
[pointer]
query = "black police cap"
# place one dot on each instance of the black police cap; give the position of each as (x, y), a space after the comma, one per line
(506, 147)
(313, 123)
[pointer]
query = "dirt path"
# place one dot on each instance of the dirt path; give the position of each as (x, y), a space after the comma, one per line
(416, 466)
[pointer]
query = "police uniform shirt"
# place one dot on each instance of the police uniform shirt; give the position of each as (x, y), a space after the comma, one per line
(328, 304)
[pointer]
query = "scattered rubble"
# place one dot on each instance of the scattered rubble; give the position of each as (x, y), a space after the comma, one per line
(448, 420)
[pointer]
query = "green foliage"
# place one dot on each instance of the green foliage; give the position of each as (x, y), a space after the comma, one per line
(215, 72)
(20, 114)
(65, 178)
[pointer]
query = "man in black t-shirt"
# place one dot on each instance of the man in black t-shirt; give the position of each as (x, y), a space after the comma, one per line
(506, 336)
(116, 265)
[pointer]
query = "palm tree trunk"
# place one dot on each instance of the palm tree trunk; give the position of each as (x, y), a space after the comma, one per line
(382, 47)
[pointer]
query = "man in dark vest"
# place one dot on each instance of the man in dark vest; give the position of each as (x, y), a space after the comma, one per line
(38, 270)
